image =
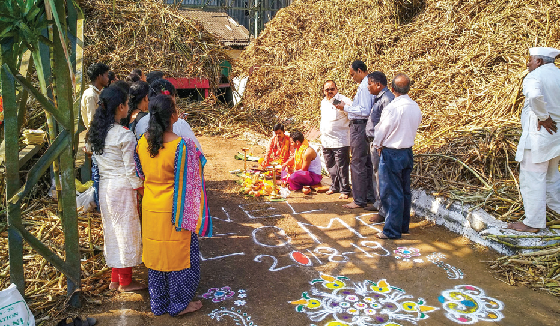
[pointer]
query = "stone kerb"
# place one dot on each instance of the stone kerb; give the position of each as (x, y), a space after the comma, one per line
(474, 224)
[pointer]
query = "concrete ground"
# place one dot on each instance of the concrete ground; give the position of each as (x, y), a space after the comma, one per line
(309, 261)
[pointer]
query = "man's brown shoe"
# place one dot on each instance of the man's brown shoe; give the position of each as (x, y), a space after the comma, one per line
(376, 218)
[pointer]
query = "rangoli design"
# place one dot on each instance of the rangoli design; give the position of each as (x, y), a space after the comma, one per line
(405, 253)
(240, 317)
(453, 273)
(219, 295)
(468, 304)
(340, 302)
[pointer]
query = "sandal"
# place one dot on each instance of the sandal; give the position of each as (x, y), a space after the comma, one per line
(343, 196)
(329, 192)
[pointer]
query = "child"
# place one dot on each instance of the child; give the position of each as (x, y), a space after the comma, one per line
(113, 149)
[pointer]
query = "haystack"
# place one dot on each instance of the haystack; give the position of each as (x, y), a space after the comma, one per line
(466, 60)
(149, 35)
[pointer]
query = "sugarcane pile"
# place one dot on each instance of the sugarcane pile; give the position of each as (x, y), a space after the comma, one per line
(149, 35)
(45, 289)
(466, 60)
(539, 269)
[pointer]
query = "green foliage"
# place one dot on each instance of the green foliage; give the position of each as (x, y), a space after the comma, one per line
(22, 22)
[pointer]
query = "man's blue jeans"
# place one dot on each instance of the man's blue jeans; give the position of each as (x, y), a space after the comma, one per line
(395, 167)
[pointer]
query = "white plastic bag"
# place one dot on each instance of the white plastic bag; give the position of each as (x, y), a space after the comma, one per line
(284, 192)
(86, 201)
(13, 309)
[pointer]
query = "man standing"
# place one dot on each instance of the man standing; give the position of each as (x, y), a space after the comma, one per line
(304, 165)
(358, 113)
(335, 138)
(393, 140)
(377, 86)
(98, 74)
(539, 148)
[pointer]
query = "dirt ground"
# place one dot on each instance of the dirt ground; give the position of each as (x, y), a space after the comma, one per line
(309, 261)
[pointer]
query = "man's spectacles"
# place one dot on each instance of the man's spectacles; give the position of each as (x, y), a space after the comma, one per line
(330, 89)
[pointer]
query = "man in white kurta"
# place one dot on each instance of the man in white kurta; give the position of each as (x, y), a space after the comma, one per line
(539, 145)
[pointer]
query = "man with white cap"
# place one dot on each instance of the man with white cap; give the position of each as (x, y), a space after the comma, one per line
(539, 148)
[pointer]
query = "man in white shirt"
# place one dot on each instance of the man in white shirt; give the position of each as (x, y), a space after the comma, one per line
(539, 148)
(394, 137)
(358, 114)
(98, 74)
(335, 139)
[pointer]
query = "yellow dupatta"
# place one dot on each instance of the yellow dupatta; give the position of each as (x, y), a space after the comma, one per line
(298, 156)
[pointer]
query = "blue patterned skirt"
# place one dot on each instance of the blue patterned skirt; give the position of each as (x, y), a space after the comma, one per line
(171, 292)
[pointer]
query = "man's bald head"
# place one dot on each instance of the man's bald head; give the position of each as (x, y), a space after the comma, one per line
(401, 84)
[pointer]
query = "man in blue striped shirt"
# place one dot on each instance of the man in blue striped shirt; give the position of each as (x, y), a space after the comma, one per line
(377, 86)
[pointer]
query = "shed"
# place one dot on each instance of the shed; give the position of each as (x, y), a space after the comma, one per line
(226, 30)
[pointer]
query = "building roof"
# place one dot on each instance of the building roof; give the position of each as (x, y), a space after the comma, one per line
(221, 25)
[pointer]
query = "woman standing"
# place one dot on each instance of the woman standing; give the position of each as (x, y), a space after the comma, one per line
(174, 198)
(138, 103)
(113, 150)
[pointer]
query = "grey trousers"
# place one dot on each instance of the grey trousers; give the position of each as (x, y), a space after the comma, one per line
(338, 164)
(360, 165)
(375, 179)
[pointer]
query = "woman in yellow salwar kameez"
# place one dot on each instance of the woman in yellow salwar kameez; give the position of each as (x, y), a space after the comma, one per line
(170, 250)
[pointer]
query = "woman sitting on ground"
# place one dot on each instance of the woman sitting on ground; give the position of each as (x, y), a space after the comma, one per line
(138, 105)
(113, 149)
(172, 257)
(279, 147)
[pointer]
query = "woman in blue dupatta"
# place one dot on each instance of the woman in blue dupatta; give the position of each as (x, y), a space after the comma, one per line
(174, 211)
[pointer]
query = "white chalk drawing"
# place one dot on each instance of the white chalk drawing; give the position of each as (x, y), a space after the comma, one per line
(340, 302)
(240, 318)
(468, 304)
(328, 226)
(304, 212)
(332, 254)
(273, 267)
(314, 256)
(221, 257)
(251, 216)
(276, 231)
(217, 235)
(369, 224)
(453, 273)
(227, 215)
(405, 253)
(368, 244)
(240, 302)
(418, 260)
